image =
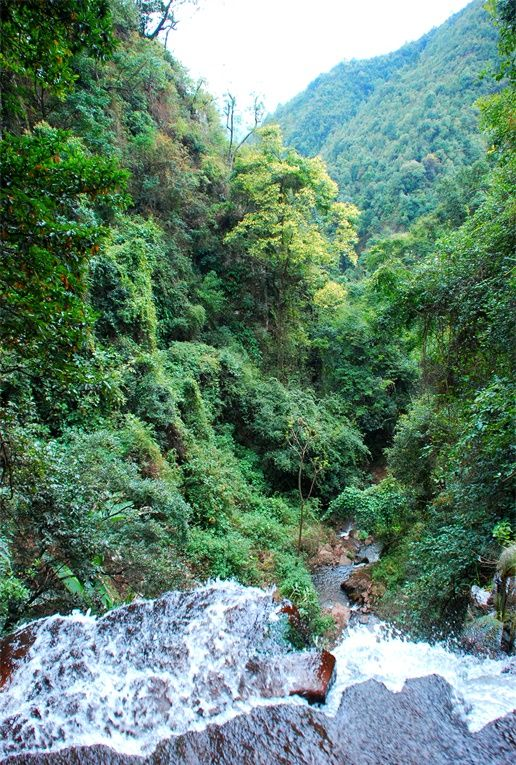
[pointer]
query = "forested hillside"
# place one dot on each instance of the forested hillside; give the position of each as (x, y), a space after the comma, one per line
(158, 298)
(393, 129)
(197, 372)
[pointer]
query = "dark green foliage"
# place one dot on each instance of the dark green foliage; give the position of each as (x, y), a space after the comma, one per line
(38, 43)
(121, 282)
(50, 188)
(455, 447)
(504, 14)
(369, 366)
(227, 556)
(418, 438)
(103, 508)
(155, 16)
(465, 294)
(297, 586)
(264, 410)
(383, 510)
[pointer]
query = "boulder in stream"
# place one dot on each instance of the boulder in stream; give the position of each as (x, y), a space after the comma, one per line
(320, 678)
(483, 636)
(480, 599)
(359, 586)
(369, 552)
(341, 614)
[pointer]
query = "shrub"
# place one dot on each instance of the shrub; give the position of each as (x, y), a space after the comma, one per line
(295, 583)
(225, 556)
(383, 509)
(85, 512)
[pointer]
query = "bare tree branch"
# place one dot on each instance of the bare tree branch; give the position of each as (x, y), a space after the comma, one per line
(230, 115)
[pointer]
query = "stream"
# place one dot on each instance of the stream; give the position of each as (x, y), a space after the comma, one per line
(211, 668)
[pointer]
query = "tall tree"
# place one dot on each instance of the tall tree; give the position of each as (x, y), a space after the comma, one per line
(157, 16)
(50, 185)
(289, 228)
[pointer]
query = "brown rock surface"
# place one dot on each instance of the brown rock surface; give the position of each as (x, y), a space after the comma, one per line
(308, 674)
(358, 586)
(12, 650)
(341, 552)
(325, 556)
(341, 614)
(324, 677)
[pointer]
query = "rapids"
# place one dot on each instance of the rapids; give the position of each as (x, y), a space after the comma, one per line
(154, 669)
(483, 691)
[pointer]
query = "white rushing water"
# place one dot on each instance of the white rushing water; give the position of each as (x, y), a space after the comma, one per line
(146, 671)
(153, 669)
(483, 691)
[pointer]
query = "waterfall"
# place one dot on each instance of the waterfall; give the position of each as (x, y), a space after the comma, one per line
(147, 671)
(483, 692)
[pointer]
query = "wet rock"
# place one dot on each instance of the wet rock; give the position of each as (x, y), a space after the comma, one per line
(50, 700)
(373, 725)
(483, 636)
(340, 614)
(369, 553)
(77, 755)
(358, 586)
(12, 650)
(292, 613)
(323, 679)
(80, 680)
(419, 725)
(510, 667)
(480, 598)
(309, 674)
(498, 740)
(267, 736)
(348, 543)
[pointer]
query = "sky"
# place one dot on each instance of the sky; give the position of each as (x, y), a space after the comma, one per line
(275, 48)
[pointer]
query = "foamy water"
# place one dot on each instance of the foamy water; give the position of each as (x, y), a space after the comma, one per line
(147, 671)
(153, 669)
(483, 692)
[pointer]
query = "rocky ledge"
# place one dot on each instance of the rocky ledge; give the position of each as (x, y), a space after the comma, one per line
(373, 725)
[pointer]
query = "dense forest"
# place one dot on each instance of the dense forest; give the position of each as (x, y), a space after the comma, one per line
(206, 352)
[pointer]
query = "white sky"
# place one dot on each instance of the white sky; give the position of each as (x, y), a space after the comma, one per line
(275, 48)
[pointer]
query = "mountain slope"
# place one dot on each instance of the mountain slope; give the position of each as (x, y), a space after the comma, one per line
(391, 127)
